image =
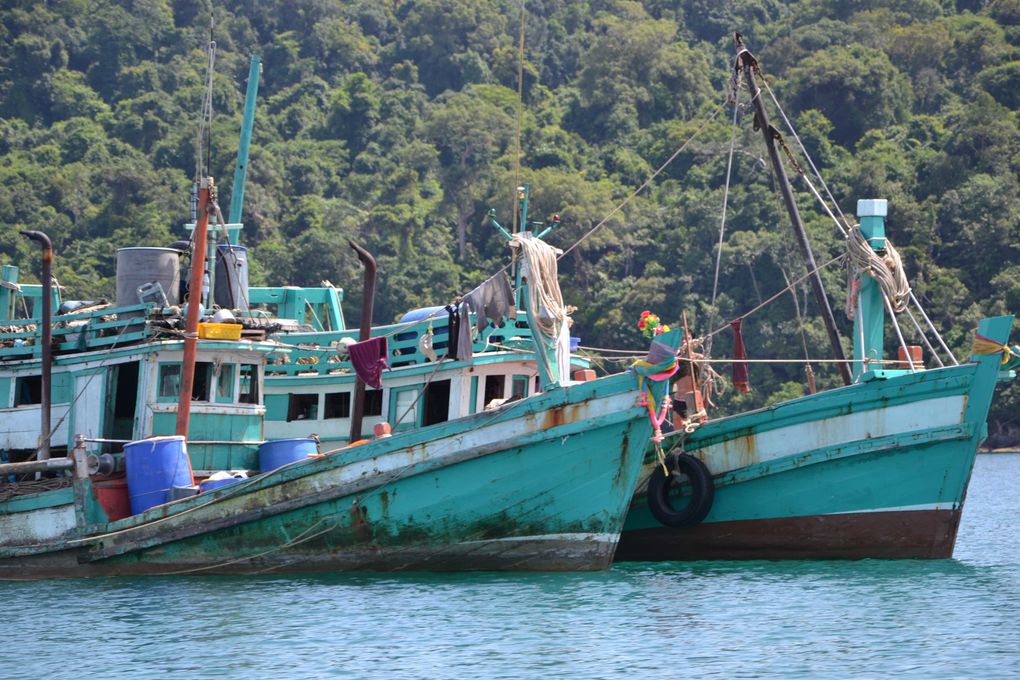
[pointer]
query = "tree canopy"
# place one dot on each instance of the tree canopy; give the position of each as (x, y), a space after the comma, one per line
(395, 123)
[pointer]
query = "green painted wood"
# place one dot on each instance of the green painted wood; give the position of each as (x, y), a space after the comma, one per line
(37, 501)
(276, 407)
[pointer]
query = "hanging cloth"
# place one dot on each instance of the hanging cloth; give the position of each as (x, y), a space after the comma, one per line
(452, 331)
(465, 350)
(740, 376)
(369, 360)
(458, 334)
(492, 301)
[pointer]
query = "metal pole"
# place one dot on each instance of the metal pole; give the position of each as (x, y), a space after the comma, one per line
(241, 171)
(747, 61)
(43, 450)
(367, 301)
(205, 192)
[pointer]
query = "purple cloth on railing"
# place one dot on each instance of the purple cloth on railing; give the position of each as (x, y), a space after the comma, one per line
(369, 359)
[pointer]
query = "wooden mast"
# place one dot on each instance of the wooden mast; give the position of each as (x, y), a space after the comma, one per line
(749, 64)
(206, 196)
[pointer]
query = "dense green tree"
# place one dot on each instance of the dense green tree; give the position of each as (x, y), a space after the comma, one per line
(394, 123)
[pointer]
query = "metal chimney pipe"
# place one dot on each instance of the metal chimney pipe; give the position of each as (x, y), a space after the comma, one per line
(43, 450)
(367, 301)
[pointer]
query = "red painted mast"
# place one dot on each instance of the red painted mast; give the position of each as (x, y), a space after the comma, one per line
(206, 196)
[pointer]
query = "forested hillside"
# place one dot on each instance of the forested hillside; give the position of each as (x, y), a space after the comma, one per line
(394, 123)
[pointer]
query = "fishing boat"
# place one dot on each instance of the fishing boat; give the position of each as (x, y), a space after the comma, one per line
(876, 468)
(540, 482)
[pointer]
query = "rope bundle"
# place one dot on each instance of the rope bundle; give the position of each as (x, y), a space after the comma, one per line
(886, 269)
(544, 296)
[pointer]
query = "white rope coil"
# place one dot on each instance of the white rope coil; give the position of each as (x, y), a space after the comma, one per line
(544, 296)
(887, 269)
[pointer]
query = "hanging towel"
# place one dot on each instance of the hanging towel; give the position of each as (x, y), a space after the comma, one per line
(740, 377)
(369, 359)
(452, 331)
(458, 343)
(492, 301)
(464, 348)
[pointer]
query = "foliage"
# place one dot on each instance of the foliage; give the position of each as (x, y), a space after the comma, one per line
(395, 124)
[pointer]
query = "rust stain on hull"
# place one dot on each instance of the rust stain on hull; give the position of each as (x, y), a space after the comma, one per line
(919, 534)
(560, 415)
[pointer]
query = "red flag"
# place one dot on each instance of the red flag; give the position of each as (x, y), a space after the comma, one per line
(740, 379)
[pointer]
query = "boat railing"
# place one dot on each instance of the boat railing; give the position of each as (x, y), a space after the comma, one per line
(76, 332)
(321, 352)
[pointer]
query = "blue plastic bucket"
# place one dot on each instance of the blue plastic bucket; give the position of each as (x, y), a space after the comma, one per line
(280, 452)
(153, 467)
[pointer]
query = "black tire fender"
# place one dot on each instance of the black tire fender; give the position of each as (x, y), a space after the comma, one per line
(702, 491)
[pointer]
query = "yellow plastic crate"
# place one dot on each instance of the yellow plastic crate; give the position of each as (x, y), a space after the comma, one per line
(219, 331)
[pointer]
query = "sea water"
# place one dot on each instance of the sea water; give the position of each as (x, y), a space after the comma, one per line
(957, 618)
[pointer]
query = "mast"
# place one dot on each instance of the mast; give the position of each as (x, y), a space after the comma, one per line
(241, 170)
(206, 197)
(749, 64)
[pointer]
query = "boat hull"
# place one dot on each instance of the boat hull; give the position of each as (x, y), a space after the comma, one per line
(540, 484)
(875, 470)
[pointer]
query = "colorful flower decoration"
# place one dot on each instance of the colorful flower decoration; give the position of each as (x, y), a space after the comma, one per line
(650, 325)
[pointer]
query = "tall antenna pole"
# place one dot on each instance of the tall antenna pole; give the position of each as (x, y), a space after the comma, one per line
(749, 64)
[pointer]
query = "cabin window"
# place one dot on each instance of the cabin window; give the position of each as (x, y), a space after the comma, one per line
(373, 402)
(437, 402)
(28, 390)
(249, 384)
(338, 405)
(225, 384)
(519, 387)
(494, 388)
(303, 407)
(202, 382)
(169, 381)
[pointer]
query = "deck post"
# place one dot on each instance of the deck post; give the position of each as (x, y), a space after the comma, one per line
(869, 322)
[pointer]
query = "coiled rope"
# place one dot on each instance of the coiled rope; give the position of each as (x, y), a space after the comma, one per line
(544, 296)
(886, 268)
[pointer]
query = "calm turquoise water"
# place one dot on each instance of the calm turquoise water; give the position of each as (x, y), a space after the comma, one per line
(943, 619)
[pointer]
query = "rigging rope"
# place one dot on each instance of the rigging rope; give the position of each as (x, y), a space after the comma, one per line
(735, 96)
(648, 181)
(205, 123)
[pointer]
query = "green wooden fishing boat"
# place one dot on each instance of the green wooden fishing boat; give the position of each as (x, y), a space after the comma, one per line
(538, 483)
(877, 468)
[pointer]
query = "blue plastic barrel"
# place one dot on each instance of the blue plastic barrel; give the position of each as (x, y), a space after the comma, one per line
(279, 452)
(420, 313)
(154, 466)
(212, 485)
